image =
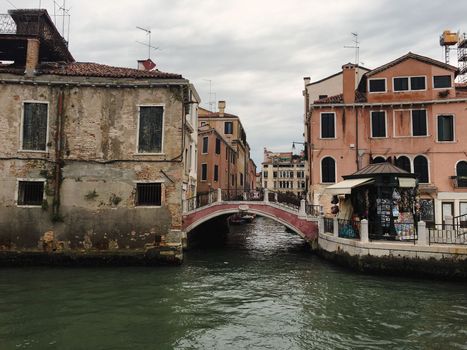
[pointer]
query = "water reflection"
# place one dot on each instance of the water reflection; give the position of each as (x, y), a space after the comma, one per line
(259, 289)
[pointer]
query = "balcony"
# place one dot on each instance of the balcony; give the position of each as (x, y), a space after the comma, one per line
(459, 181)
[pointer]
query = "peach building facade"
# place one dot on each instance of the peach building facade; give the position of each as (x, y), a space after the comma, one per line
(409, 112)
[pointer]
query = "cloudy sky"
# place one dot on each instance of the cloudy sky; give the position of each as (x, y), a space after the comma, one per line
(256, 52)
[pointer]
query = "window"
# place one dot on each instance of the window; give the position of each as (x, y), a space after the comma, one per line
(445, 128)
(378, 124)
(401, 84)
(377, 85)
(328, 170)
(427, 211)
(328, 125)
(419, 122)
(403, 162)
(241, 179)
(274, 174)
(265, 174)
(228, 128)
(417, 83)
(148, 194)
(216, 173)
(205, 145)
(31, 192)
(218, 146)
(320, 97)
(232, 180)
(34, 131)
(378, 160)
(150, 129)
(442, 81)
(461, 173)
(204, 172)
(420, 166)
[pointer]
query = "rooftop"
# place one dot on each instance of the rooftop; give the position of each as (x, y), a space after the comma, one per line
(379, 169)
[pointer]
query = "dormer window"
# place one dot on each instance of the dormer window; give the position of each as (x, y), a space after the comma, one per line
(377, 85)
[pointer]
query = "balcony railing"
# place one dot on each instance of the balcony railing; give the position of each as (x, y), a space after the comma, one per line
(459, 181)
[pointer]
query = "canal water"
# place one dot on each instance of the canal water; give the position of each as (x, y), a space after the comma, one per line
(260, 288)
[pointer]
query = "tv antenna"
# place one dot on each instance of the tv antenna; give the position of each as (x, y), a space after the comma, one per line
(356, 47)
(148, 44)
(65, 14)
(211, 101)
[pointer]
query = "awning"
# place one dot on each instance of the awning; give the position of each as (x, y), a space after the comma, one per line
(345, 187)
(407, 182)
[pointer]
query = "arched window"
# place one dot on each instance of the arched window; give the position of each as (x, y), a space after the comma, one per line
(328, 170)
(461, 173)
(378, 160)
(403, 162)
(420, 167)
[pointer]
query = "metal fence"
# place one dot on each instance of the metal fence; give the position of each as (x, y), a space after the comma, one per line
(447, 234)
(328, 225)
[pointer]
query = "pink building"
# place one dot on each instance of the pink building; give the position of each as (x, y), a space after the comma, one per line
(409, 112)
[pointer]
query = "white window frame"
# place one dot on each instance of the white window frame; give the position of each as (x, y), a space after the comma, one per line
(410, 160)
(442, 88)
(22, 125)
(321, 170)
(385, 125)
(426, 121)
(321, 126)
(162, 182)
(418, 76)
(163, 130)
(378, 92)
(408, 83)
(380, 156)
(201, 168)
(453, 128)
(18, 180)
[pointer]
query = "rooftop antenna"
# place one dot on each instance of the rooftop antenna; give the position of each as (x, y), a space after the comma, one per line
(211, 101)
(356, 47)
(148, 44)
(65, 16)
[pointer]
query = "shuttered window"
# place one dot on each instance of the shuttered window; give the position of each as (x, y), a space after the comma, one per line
(205, 144)
(328, 170)
(419, 122)
(328, 126)
(218, 146)
(150, 129)
(35, 126)
(204, 172)
(378, 124)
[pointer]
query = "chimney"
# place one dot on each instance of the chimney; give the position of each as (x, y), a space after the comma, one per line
(221, 107)
(32, 56)
(307, 80)
(348, 82)
(146, 65)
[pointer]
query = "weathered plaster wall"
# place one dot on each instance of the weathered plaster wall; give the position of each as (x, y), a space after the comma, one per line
(99, 169)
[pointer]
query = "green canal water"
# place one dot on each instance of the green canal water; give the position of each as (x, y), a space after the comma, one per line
(260, 289)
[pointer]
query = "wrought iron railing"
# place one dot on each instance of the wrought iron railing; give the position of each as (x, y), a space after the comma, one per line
(7, 25)
(447, 234)
(348, 228)
(328, 225)
(313, 209)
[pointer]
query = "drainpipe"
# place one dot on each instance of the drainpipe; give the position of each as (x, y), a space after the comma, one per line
(58, 155)
(356, 139)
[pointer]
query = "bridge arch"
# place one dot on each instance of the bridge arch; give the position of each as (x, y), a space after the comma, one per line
(305, 228)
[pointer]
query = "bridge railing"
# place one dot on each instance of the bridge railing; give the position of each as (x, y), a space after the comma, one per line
(200, 200)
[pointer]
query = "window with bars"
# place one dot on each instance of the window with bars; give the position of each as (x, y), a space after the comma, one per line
(150, 129)
(34, 126)
(30, 192)
(149, 194)
(419, 122)
(445, 128)
(378, 124)
(328, 125)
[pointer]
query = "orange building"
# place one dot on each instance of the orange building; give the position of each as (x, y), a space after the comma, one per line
(230, 129)
(409, 112)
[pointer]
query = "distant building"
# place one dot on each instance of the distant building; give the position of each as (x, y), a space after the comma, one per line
(97, 157)
(409, 112)
(230, 129)
(284, 172)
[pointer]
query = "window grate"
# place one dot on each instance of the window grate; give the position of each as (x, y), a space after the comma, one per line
(148, 194)
(30, 192)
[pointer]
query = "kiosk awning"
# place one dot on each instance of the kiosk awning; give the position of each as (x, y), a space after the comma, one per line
(345, 187)
(407, 182)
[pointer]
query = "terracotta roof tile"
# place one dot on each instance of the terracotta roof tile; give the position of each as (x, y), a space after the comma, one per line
(360, 97)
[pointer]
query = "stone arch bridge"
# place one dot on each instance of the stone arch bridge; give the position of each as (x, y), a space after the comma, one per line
(302, 219)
